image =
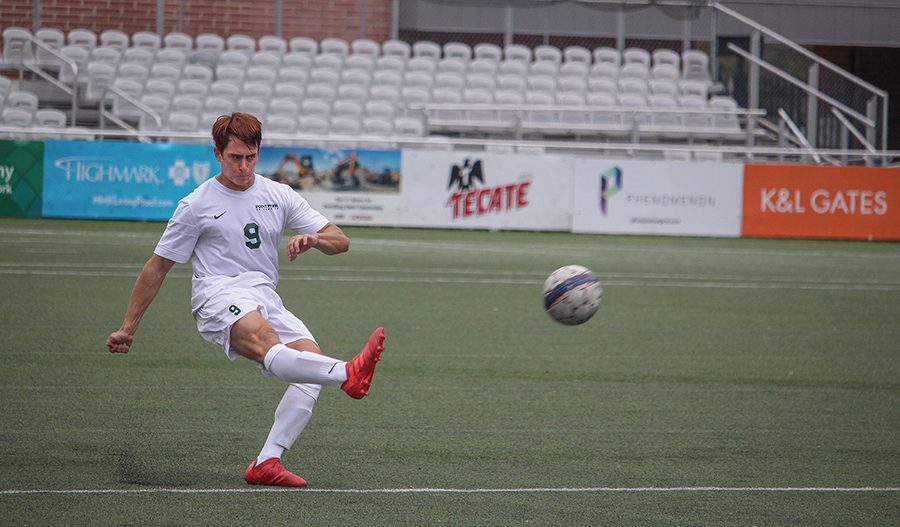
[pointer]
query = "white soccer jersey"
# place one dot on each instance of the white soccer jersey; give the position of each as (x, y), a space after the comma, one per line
(231, 238)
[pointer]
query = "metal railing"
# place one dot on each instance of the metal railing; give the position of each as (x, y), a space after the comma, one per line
(132, 132)
(787, 152)
(855, 91)
(786, 121)
(515, 119)
(848, 127)
(735, 152)
(34, 66)
(700, 22)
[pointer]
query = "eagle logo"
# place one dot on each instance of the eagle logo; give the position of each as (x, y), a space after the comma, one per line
(464, 176)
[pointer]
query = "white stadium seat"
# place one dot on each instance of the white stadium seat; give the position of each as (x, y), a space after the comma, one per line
(426, 48)
(178, 40)
(17, 47)
(334, 46)
(457, 50)
(115, 39)
(517, 52)
(303, 45)
(82, 37)
(548, 53)
(396, 48)
(365, 47)
(272, 44)
(487, 51)
(146, 39)
(242, 43)
(608, 55)
(577, 54)
(49, 117)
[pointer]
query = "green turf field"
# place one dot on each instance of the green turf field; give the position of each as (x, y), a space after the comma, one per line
(722, 382)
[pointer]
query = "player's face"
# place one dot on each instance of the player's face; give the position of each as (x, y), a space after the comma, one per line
(238, 164)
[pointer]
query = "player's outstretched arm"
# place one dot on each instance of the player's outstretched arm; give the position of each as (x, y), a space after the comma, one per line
(330, 240)
(145, 288)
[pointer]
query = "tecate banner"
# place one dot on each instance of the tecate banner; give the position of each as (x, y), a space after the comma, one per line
(121, 180)
(483, 190)
(650, 197)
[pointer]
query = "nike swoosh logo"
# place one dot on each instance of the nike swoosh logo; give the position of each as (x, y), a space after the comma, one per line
(219, 216)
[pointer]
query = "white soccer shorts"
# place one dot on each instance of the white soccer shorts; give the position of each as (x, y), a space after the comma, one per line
(215, 317)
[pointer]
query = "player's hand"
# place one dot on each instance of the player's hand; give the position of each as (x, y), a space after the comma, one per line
(119, 342)
(301, 243)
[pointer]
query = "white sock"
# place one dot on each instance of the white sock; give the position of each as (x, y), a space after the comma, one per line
(304, 366)
(291, 417)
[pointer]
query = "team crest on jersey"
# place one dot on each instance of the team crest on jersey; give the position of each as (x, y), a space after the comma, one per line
(267, 206)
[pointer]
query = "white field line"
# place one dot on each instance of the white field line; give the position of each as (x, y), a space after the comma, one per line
(536, 275)
(706, 284)
(63, 234)
(585, 247)
(476, 246)
(463, 432)
(523, 490)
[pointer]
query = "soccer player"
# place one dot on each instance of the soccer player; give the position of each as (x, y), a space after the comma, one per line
(230, 228)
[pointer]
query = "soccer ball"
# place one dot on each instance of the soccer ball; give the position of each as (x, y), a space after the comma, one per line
(572, 294)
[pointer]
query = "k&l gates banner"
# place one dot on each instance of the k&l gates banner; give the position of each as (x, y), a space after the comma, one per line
(113, 180)
(806, 201)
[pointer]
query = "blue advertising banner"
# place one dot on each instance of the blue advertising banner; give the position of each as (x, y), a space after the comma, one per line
(121, 180)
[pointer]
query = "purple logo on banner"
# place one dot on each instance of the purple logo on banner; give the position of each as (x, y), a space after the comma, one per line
(610, 184)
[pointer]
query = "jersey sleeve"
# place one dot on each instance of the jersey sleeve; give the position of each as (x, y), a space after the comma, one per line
(301, 217)
(181, 234)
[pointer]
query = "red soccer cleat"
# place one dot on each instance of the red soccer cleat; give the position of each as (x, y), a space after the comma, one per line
(361, 367)
(272, 472)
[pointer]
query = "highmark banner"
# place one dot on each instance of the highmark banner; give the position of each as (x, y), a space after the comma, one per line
(121, 180)
(650, 197)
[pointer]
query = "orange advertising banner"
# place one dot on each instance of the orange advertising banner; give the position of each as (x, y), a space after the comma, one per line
(807, 201)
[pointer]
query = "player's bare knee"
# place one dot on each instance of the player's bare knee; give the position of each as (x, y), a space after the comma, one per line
(252, 337)
(265, 338)
(260, 341)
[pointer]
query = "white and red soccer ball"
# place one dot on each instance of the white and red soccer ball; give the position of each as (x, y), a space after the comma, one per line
(572, 294)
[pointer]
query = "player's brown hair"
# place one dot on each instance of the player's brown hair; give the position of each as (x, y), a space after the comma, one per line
(244, 127)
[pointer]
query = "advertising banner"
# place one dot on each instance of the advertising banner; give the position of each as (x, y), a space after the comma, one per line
(21, 178)
(654, 197)
(121, 180)
(349, 186)
(483, 190)
(807, 201)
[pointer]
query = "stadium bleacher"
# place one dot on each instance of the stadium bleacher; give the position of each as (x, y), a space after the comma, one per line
(147, 83)
(649, 99)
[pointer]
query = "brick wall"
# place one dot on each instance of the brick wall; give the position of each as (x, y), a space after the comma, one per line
(310, 18)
